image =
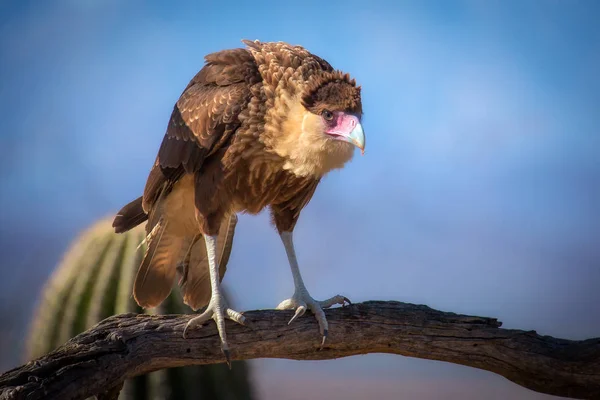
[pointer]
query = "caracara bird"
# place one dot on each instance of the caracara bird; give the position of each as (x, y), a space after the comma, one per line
(256, 127)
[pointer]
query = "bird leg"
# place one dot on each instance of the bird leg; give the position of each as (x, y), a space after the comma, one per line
(217, 308)
(301, 300)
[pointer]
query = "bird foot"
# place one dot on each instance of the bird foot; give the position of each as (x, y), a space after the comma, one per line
(217, 310)
(300, 301)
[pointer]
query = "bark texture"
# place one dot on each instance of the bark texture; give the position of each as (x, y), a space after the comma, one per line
(97, 361)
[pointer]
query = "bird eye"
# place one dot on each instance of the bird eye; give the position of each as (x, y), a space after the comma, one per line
(328, 115)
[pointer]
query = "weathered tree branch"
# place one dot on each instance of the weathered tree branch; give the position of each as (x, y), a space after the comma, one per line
(120, 347)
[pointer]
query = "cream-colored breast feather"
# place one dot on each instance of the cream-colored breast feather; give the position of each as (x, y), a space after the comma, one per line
(307, 151)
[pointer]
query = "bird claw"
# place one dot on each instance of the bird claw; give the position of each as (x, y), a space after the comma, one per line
(299, 312)
(325, 333)
(335, 300)
(227, 355)
(301, 301)
(217, 310)
(198, 321)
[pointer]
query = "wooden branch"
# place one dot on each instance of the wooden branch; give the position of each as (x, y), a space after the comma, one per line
(120, 347)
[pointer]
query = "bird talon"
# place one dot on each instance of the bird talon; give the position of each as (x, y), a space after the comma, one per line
(325, 333)
(191, 324)
(217, 310)
(197, 321)
(227, 355)
(299, 312)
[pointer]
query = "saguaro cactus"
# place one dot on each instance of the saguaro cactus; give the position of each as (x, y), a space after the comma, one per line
(94, 281)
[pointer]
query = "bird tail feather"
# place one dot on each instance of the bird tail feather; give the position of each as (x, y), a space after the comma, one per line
(195, 276)
(156, 275)
(130, 216)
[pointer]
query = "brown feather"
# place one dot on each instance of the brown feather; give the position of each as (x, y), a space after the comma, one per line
(203, 119)
(129, 216)
(156, 275)
(195, 281)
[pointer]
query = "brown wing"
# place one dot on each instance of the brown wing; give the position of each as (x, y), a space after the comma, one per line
(204, 118)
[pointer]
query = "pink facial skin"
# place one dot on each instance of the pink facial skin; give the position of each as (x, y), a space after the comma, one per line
(346, 127)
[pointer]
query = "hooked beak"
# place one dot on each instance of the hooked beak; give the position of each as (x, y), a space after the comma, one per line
(357, 137)
(350, 130)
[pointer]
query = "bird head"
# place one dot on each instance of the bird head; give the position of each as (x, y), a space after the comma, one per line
(334, 110)
(322, 126)
(319, 118)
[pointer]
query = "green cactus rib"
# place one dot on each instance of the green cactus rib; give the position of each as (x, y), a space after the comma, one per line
(101, 287)
(50, 313)
(51, 310)
(78, 302)
(132, 258)
(93, 281)
(156, 380)
(182, 378)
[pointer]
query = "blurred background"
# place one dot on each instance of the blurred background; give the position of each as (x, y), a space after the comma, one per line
(479, 192)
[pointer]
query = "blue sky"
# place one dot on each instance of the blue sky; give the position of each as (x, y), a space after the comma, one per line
(478, 192)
